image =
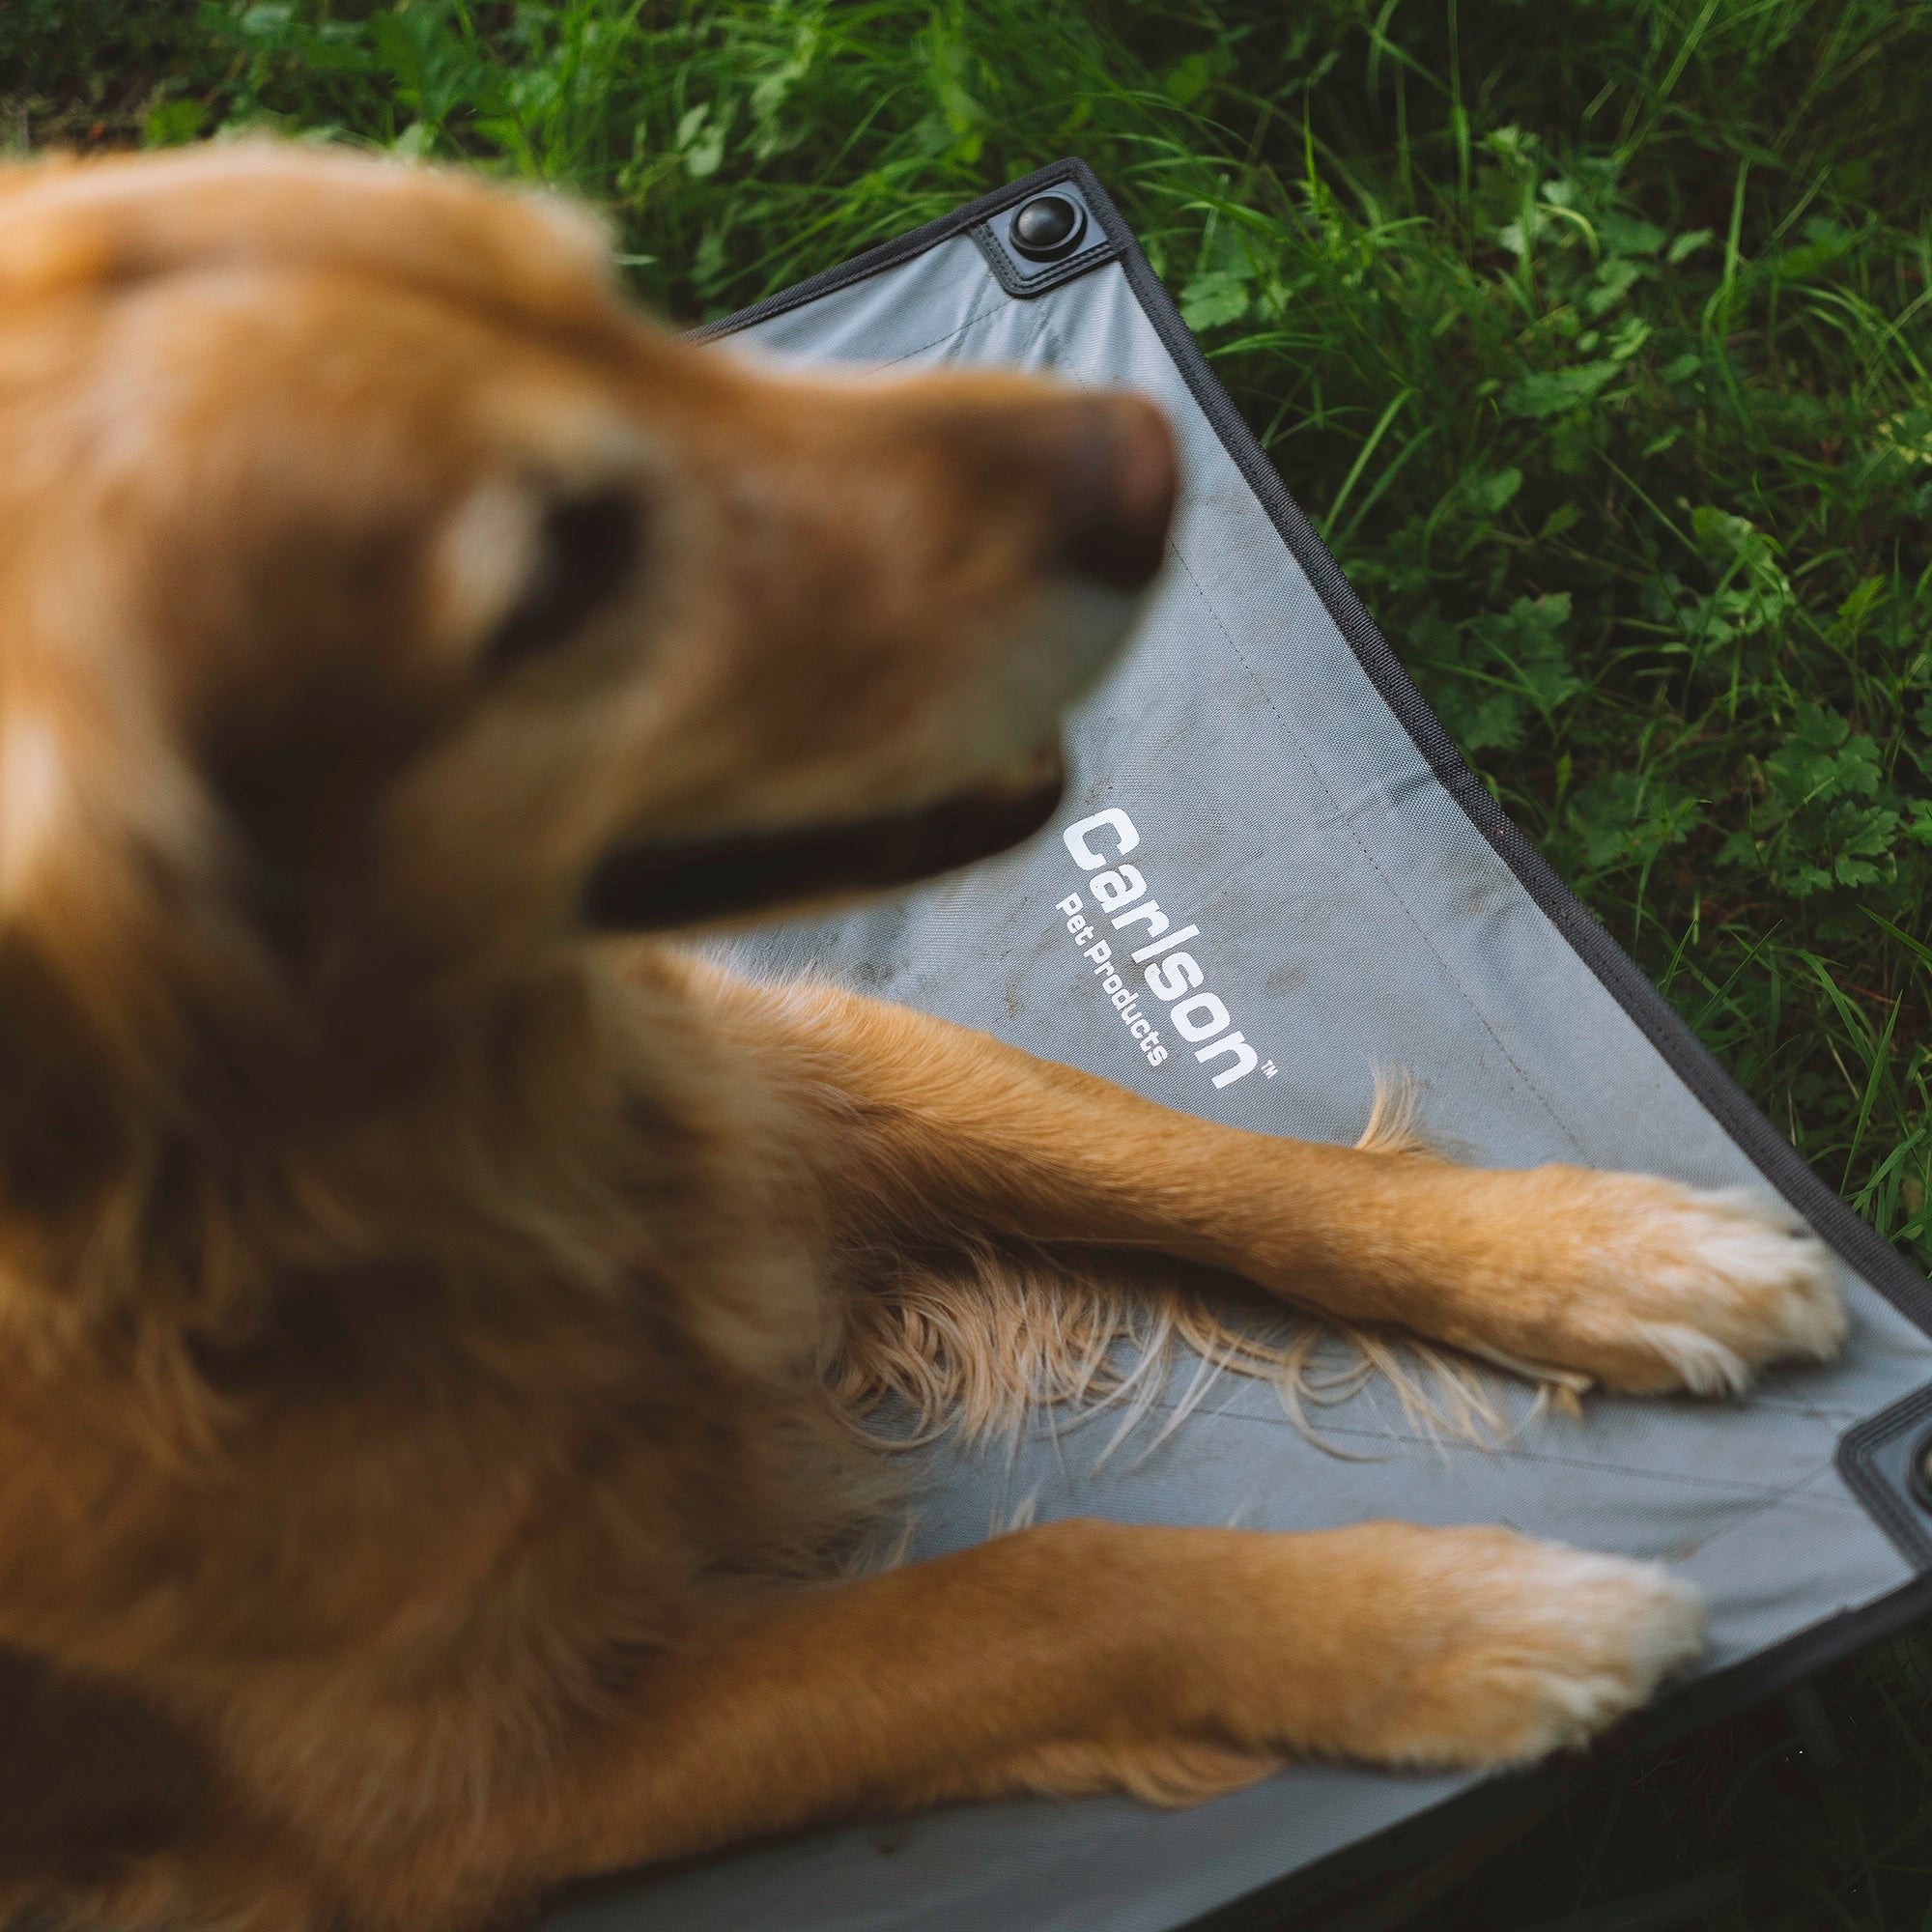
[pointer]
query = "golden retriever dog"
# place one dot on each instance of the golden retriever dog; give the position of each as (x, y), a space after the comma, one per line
(433, 1313)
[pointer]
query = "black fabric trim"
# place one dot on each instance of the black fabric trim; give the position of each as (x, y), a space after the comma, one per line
(1527, 1795)
(1859, 1246)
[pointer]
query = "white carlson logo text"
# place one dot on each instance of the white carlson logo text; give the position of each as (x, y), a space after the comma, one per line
(1122, 900)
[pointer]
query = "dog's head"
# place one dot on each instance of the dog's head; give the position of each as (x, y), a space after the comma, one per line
(374, 581)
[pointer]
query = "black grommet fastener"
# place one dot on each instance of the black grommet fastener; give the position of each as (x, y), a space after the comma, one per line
(1048, 228)
(1919, 1471)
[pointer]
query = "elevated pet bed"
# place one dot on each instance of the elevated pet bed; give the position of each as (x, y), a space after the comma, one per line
(1358, 901)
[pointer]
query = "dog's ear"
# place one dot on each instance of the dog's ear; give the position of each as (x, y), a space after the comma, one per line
(537, 257)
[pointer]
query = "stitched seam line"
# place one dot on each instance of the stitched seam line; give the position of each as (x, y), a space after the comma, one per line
(1344, 819)
(1847, 1504)
(1357, 1431)
(978, 315)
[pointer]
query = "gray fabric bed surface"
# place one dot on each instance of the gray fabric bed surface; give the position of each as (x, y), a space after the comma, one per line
(1350, 917)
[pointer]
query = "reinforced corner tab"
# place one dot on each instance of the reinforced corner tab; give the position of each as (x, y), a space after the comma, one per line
(1024, 272)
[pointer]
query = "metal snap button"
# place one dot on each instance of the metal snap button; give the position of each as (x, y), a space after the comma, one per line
(1919, 1471)
(1048, 228)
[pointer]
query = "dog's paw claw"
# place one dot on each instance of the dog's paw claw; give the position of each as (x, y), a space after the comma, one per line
(1551, 1646)
(1707, 1289)
(1647, 1285)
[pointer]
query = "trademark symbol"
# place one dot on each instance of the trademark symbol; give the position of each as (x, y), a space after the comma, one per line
(1267, 1069)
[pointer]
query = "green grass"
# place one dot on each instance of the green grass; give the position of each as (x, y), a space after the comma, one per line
(1593, 334)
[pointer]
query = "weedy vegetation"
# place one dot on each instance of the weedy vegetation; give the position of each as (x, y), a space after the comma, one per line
(1594, 335)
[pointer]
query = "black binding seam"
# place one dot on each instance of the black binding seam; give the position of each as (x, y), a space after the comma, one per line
(1856, 1242)
(1859, 1246)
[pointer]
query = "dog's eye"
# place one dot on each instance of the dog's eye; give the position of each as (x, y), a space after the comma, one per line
(586, 548)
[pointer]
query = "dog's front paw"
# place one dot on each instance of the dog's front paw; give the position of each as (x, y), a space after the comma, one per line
(1538, 1647)
(1715, 1287)
(1648, 1285)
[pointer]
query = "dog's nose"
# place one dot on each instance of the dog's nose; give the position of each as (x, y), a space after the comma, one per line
(1116, 490)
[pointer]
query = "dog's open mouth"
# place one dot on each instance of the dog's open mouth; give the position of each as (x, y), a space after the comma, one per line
(700, 882)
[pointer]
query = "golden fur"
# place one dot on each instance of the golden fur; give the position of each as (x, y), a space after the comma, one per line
(432, 1329)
